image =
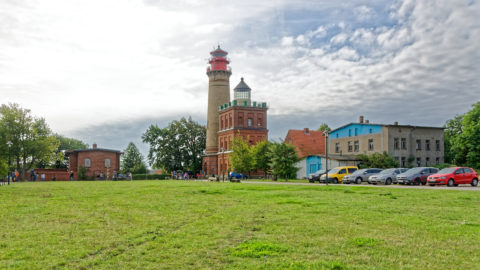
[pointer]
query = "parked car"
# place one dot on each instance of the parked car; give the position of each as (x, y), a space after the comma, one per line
(234, 175)
(316, 176)
(454, 176)
(360, 176)
(336, 174)
(416, 176)
(386, 177)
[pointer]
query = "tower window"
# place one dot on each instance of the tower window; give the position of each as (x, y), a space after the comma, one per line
(250, 122)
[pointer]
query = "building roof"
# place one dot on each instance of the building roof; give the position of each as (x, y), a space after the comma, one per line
(92, 150)
(242, 87)
(384, 125)
(307, 142)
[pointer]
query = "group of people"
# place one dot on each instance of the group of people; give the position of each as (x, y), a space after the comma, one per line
(184, 176)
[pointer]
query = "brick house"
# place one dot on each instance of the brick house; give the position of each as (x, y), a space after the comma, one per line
(309, 145)
(97, 162)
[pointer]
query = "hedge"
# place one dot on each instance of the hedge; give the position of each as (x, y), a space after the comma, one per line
(141, 176)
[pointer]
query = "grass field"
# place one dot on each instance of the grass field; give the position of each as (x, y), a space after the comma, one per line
(203, 225)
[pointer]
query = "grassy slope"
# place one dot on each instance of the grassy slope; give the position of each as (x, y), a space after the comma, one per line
(179, 225)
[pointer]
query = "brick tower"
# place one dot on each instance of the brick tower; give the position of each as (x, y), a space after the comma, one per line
(218, 94)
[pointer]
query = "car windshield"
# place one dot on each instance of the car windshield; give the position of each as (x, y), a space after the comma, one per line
(360, 171)
(387, 171)
(414, 170)
(447, 170)
(320, 172)
(334, 170)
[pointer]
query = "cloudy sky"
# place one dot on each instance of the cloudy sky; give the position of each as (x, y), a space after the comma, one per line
(104, 70)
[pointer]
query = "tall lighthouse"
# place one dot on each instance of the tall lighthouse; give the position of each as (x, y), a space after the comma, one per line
(218, 74)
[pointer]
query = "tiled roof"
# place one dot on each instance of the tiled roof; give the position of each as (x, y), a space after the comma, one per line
(307, 142)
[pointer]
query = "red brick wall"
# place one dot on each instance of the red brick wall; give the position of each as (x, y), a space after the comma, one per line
(97, 162)
(60, 174)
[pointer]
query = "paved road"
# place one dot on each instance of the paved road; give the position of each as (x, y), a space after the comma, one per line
(460, 187)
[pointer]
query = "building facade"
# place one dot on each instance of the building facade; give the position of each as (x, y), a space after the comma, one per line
(99, 163)
(238, 117)
(410, 145)
(309, 145)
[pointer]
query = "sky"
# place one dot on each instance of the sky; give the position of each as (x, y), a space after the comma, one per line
(105, 70)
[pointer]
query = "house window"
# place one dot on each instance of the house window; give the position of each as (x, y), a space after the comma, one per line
(107, 163)
(403, 162)
(250, 122)
(87, 163)
(370, 130)
(349, 133)
(437, 160)
(356, 146)
(427, 161)
(419, 162)
(337, 147)
(418, 145)
(370, 144)
(350, 147)
(336, 135)
(437, 145)
(356, 131)
(396, 143)
(427, 145)
(404, 143)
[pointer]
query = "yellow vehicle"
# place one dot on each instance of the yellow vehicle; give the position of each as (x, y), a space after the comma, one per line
(336, 174)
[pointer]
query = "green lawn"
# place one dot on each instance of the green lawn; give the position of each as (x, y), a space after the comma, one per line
(209, 225)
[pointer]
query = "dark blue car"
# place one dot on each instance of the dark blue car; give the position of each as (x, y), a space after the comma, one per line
(234, 175)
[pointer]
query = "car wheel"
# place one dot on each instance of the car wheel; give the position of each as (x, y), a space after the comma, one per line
(311, 181)
(417, 182)
(474, 182)
(358, 181)
(388, 181)
(424, 183)
(431, 185)
(335, 180)
(451, 183)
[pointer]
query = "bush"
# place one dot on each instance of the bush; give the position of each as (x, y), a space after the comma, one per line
(150, 176)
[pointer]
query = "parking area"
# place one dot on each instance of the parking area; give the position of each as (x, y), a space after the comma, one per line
(460, 187)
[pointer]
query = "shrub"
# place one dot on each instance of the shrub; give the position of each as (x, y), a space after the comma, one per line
(150, 176)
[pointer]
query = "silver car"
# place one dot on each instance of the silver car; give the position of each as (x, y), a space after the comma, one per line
(316, 176)
(360, 176)
(386, 177)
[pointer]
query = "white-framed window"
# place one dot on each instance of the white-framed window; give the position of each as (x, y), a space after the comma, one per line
(87, 163)
(108, 163)
(250, 122)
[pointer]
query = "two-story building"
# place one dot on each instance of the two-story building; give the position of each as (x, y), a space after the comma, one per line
(409, 145)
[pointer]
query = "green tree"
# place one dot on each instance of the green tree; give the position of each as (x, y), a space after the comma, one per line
(262, 157)
(453, 130)
(242, 158)
(3, 168)
(282, 160)
(377, 160)
(132, 160)
(462, 137)
(32, 140)
(469, 139)
(179, 146)
(324, 127)
(65, 144)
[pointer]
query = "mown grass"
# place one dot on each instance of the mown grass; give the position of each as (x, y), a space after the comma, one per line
(207, 225)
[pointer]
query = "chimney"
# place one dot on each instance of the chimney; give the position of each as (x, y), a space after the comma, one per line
(361, 119)
(395, 123)
(306, 130)
(367, 121)
(94, 146)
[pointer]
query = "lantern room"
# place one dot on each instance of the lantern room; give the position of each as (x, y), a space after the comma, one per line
(218, 60)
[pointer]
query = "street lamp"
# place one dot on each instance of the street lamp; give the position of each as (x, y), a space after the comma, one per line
(326, 158)
(9, 143)
(223, 165)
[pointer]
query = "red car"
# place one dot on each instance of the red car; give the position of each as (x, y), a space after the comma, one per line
(454, 176)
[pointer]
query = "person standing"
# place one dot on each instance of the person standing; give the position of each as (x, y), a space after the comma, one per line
(43, 177)
(71, 175)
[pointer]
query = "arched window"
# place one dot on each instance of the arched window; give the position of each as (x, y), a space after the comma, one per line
(107, 163)
(87, 163)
